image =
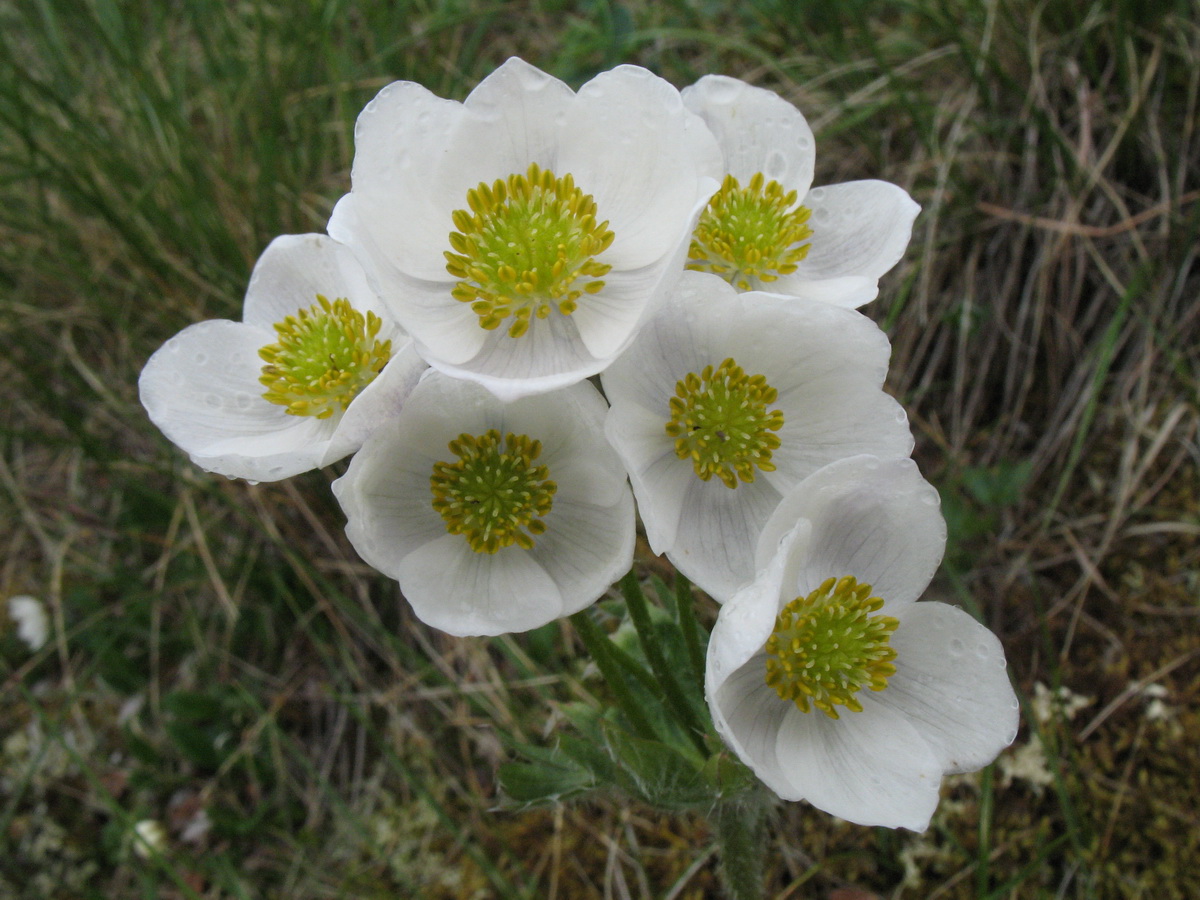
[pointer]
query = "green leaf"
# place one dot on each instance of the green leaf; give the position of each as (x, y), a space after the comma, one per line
(657, 773)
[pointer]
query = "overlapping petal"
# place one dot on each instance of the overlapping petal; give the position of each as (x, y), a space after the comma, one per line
(827, 365)
(626, 139)
(202, 388)
(947, 708)
(392, 523)
(859, 229)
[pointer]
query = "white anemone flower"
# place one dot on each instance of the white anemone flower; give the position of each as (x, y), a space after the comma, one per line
(298, 383)
(32, 620)
(726, 400)
(494, 517)
(767, 228)
(523, 235)
(828, 678)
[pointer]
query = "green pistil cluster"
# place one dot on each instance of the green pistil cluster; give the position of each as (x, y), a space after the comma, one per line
(493, 494)
(750, 235)
(720, 421)
(525, 248)
(828, 646)
(325, 355)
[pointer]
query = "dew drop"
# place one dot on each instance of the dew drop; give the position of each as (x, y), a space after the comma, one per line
(243, 400)
(213, 401)
(956, 647)
(200, 359)
(775, 166)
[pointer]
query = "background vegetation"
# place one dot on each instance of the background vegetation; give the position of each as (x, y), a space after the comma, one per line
(222, 663)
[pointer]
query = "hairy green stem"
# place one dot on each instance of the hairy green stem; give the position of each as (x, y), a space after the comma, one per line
(741, 829)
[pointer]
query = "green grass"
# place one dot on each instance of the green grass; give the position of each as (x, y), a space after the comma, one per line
(219, 647)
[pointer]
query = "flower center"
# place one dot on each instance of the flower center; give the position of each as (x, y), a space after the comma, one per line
(493, 494)
(827, 646)
(525, 248)
(750, 235)
(720, 421)
(325, 355)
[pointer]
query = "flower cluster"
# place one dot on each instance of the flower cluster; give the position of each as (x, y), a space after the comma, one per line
(495, 254)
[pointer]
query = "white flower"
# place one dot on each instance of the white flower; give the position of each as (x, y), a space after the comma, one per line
(766, 229)
(833, 609)
(522, 236)
(270, 396)
(493, 517)
(727, 400)
(33, 624)
(149, 838)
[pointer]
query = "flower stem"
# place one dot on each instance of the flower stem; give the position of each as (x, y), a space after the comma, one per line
(685, 605)
(741, 829)
(677, 702)
(600, 648)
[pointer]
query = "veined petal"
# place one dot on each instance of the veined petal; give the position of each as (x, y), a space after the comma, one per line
(875, 519)
(826, 366)
(757, 130)
(442, 328)
(396, 138)
(718, 530)
(201, 389)
(649, 456)
(379, 401)
(630, 142)
(871, 767)
(860, 228)
(586, 548)
(464, 593)
(388, 496)
(952, 685)
(547, 357)
(294, 269)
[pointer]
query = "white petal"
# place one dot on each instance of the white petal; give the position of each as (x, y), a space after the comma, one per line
(442, 327)
(870, 767)
(847, 291)
(386, 496)
(859, 228)
(514, 118)
(647, 161)
(718, 531)
(550, 355)
(757, 130)
(294, 269)
(398, 137)
(834, 416)
(660, 478)
(951, 684)
(378, 402)
(744, 624)
(665, 350)
(875, 519)
(585, 548)
(465, 593)
(748, 715)
(201, 389)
